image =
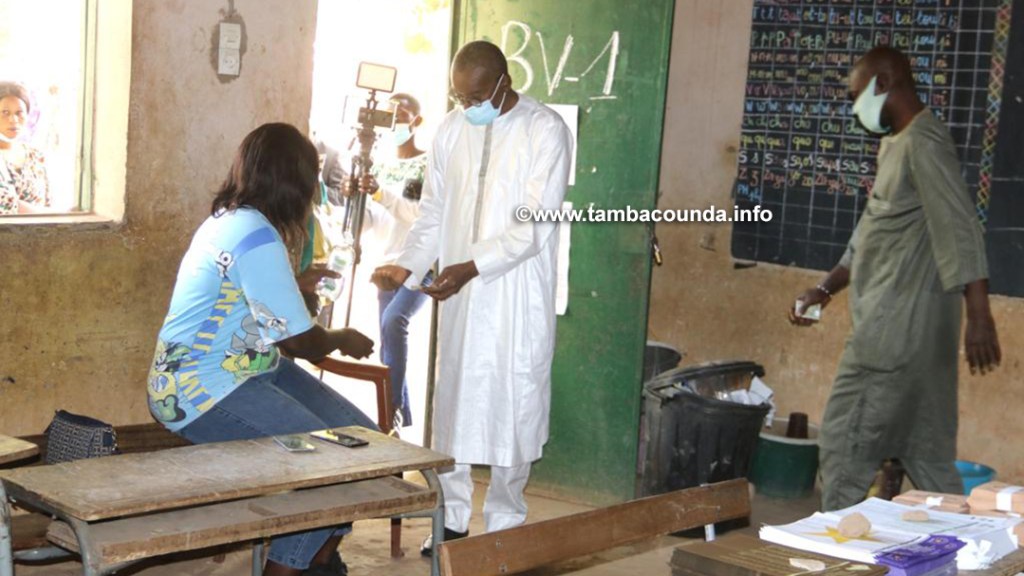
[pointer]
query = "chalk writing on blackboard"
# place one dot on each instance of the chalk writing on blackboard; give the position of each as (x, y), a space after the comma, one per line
(609, 55)
(803, 155)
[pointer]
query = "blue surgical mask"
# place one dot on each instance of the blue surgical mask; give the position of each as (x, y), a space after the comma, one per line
(868, 108)
(401, 134)
(484, 113)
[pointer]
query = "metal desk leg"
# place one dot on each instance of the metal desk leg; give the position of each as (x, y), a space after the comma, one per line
(437, 524)
(81, 531)
(257, 558)
(6, 554)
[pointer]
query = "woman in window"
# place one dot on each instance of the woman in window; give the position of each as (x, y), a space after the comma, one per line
(23, 185)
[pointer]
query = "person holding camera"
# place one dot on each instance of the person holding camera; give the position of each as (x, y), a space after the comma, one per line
(496, 152)
(398, 182)
(393, 187)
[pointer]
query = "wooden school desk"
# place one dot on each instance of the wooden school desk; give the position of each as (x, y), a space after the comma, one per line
(13, 449)
(118, 510)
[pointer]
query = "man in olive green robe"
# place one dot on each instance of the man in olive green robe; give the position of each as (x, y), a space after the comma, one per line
(916, 252)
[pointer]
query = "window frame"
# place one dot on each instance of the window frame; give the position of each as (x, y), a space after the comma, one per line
(103, 108)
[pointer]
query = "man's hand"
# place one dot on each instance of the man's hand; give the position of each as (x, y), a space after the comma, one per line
(355, 344)
(981, 342)
(451, 280)
(389, 277)
(308, 280)
(809, 298)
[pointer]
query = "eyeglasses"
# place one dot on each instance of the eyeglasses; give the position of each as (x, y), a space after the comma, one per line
(460, 100)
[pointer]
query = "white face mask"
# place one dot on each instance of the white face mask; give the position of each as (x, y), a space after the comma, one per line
(402, 133)
(868, 108)
(484, 113)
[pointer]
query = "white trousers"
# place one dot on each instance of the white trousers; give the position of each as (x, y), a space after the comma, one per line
(504, 505)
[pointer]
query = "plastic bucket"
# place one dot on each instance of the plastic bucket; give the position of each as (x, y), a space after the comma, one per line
(785, 467)
(974, 474)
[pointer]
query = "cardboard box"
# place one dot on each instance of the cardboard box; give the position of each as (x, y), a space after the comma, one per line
(997, 496)
(955, 503)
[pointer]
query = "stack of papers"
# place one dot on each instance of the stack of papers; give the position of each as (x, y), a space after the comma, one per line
(986, 539)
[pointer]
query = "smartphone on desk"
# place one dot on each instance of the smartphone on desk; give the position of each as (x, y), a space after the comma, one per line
(294, 443)
(336, 436)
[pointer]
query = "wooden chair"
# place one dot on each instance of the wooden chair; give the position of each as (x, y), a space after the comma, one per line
(380, 376)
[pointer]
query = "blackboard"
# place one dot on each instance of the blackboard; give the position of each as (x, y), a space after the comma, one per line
(804, 157)
(1005, 223)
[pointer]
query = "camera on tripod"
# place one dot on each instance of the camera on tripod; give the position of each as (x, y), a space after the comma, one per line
(376, 78)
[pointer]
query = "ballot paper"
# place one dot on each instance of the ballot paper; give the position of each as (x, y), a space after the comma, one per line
(986, 539)
(922, 557)
(759, 393)
(1018, 530)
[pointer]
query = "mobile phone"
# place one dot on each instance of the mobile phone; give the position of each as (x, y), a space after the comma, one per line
(812, 312)
(294, 443)
(336, 436)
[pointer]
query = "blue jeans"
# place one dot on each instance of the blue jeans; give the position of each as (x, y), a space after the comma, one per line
(288, 400)
(397, 307)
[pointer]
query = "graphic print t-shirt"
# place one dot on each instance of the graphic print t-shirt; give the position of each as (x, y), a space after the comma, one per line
(235, 297)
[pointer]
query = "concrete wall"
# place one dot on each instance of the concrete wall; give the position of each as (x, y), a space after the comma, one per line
(80, 306)
(704, 306)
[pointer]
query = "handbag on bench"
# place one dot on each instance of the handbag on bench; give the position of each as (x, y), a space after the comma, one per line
(73, 437)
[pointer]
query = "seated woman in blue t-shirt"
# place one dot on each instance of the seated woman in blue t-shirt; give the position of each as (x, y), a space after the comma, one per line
(218, 373)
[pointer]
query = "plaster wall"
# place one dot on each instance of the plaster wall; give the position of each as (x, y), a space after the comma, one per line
(80, 305)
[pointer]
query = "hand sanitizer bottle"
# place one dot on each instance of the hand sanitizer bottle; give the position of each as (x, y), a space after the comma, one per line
(340, 261)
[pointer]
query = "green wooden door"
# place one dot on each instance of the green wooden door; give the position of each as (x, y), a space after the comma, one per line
(610, 58)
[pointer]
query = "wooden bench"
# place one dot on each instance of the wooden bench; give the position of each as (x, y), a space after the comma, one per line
(117, 510)
(543, 543)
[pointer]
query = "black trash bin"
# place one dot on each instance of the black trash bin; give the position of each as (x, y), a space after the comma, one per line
(690, 439)
(659, 357)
